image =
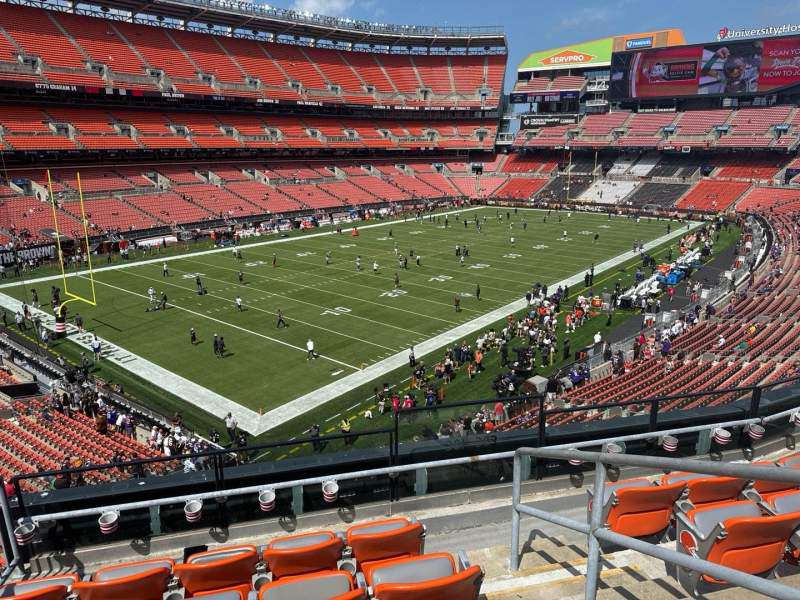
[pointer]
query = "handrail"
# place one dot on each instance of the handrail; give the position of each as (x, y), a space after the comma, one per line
(562, 450)
(597, 532)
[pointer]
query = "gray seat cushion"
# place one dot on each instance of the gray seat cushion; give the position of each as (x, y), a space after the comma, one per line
(23, 587)
(318, 588)
(378, 528)
(126, 570)
(222, 555)
(621, 485)
(787, 504)
(299, 542)
(415, 571)
(674, 478)
(706, 520)
(229, 595)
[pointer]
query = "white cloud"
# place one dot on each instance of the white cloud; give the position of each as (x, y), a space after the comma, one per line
(329, 8)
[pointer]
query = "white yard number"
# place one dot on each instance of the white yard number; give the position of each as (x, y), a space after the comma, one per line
(415, 232)
(304, 254)
(585, 232)
(512, 255)
(192, 275)
(339, 310)
(480, 266)
(393, 294)
(440, 278)
(347, 246)
(540, 247)
(255, 263)
(382, 239)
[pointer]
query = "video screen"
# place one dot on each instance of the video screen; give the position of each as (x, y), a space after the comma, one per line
(719, 69)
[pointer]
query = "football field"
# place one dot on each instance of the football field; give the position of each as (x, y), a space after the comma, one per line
(355, 318)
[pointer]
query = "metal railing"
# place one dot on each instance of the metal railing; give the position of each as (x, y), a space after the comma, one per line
(300, 485)
(596, 531)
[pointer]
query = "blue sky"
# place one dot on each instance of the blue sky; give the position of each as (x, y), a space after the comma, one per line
(534, 25)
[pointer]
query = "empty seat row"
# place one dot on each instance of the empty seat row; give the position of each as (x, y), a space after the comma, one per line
(381, 559)
(745, 525)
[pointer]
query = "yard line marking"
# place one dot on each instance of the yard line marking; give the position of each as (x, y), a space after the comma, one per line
(354, 405)
(332, 417)
(299, 406)
(290, 299)
(163, 259)
(389, 280)
(228, 301)
(191, 392)
(243, 329)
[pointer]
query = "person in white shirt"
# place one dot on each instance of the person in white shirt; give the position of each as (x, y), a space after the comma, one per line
(598, 338)
(165, 270)
(239, 303)
(310, 347)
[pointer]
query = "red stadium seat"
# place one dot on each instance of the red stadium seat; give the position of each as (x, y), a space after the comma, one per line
(735, 535)
(637, 508)
(220, 568)
(384, 539)
(426, 577)
(304, 553)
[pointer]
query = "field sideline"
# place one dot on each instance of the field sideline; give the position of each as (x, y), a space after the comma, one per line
(358, 320)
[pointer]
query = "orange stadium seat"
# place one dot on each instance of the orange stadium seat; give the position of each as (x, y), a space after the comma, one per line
(426, 577)
(304, 553)
(637, 508)
(134, 580)
(334, 585)
(735, 535)
(220, 568)
(43, 588)
(388, 538)
(702, 490)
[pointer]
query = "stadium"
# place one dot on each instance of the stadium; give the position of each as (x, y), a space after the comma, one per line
(299, 306)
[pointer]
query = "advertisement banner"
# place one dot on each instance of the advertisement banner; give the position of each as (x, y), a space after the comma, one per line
(536, 121)
(718, 69)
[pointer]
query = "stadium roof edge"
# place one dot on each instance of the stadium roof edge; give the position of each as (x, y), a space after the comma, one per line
(246, 15)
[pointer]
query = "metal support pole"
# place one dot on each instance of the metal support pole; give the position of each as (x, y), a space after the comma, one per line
(542, 435)
(755, 403)
(297, 500)
(420, 482)
(595, 523)
(8, 534)
(654, 414)
(516, 486)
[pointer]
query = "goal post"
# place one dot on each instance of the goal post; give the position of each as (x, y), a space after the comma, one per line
(73, 295)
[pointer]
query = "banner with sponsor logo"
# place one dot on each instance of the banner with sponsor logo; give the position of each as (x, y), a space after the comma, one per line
(720, 69)
(537, 121)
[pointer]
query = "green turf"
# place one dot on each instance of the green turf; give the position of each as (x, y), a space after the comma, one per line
(354, 318)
